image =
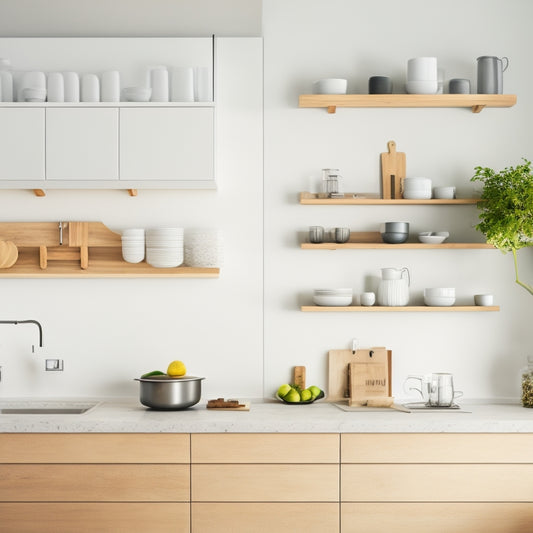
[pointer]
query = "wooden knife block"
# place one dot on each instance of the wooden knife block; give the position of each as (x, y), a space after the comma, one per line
(77, 249)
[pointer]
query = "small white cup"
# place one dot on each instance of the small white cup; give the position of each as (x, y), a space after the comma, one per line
(422, 69)
(483, 299)
(444, 192)
(368, 299)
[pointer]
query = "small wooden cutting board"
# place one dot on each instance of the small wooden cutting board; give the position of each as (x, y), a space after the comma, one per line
(393, 165)
(227, 405)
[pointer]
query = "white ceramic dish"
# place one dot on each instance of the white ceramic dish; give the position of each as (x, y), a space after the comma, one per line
(422, 86)
(330, 86)
(34, 94)
(332, 301)
(439, 296)
(421, 194)
(428, 237)
(137, 94)
(444, 192)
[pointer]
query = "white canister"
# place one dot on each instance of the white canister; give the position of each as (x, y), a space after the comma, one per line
(55, 88)
(203, 84)
(71, 82)
(90, 88)
(422, 69)
(110, 86)
(182, 84)
(159, 84)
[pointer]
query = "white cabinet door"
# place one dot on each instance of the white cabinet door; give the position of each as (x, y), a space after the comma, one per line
(167, 144)
(21, 144)
(81, 144)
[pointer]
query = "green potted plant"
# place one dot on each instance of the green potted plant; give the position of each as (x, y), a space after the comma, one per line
(506, 206)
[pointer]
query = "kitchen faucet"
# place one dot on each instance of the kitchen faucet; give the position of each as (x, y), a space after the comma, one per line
(16, 322)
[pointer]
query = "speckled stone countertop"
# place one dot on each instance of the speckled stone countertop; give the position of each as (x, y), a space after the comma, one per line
(127, 415)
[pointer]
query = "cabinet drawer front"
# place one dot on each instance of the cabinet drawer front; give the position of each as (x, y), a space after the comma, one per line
(445, 482)
(94, 448)
(437, 517)
(265, 448)
(437, 448)
(268, 483)
(96, 517)
(265, 517)
(81, 144)
(25, 483)
(21, 144)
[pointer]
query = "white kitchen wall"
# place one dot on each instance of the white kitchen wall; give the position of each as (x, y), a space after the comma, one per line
(308, 40)
(108, 331)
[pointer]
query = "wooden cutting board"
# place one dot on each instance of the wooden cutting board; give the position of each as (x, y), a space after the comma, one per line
(338, 384)
(392, 171)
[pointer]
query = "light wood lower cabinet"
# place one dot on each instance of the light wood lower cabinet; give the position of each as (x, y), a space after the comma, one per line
(444, 483)
(265, 517)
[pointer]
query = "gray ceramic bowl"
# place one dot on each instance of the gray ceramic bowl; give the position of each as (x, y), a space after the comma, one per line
(396, 227)
(394, 237)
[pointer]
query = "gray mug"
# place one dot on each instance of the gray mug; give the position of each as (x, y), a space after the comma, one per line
(490, 71)
(459, 86)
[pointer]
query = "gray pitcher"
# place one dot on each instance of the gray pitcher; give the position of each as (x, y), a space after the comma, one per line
(490, 71)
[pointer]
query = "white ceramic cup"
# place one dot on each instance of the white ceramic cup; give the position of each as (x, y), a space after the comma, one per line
(483, 299)
(159, 84)
(182, 84)
(90, 88)
(203, 85)
(71, 82)
(422, 69)
(55, 87)
(444, 192)
(111, 86)
(368, 299)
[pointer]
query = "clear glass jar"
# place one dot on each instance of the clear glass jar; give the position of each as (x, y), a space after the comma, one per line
(331, 181)
(527, 383)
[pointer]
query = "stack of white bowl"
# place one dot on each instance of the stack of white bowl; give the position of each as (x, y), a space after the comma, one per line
(422, 75)
(439, 296)
(133, 245)
(333, 297)
(417, 188)
(164, 247)
(203, 248)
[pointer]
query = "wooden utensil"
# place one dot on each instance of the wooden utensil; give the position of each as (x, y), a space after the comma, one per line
(392, 171)
(299, 376)
(8, 254)
(338, 365)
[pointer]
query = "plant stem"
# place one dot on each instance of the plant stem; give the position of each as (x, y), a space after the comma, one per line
(528, 288)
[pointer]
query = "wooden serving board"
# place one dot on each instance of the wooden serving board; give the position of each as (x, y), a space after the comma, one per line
(392, 171)
(338, 383)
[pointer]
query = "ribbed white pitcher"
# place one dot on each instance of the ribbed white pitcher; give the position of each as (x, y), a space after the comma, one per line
(393, 290)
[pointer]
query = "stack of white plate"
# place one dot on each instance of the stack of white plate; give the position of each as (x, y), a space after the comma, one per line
(417, 188)
(164, 247)
(133, 245)
(333, 297)
(203, 248)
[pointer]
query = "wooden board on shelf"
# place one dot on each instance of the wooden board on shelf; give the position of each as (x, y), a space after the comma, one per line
(406, 309)
(476, 102)
(309, 198)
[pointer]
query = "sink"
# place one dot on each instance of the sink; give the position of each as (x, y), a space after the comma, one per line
(45, 408)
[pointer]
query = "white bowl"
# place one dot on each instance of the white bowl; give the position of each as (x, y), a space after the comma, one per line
(429, 237)
(483, 299)
(439, 301)
(444, 192)
(332, 301)
(410, 194)
(34, 94)
(330, 86)
(137, 94)
(422, 86)
(448, 292)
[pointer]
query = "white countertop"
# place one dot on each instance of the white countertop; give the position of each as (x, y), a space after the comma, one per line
(266, 416)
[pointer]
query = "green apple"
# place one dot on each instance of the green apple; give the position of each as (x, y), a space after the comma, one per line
(292, 396)
(283, 390)
(315, 391)
(306, 395)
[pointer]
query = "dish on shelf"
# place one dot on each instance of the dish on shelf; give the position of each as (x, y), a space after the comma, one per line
(439, 296)
(432, 237)
(333, 297)
(330, 86)
(137, 94)
(320, 396)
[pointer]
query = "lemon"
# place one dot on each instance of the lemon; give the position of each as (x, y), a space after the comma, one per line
(293, 396)
(176, 369)
(306, 395)
(283, 390)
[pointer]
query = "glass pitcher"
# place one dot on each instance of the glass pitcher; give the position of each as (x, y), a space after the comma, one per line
(393, 289)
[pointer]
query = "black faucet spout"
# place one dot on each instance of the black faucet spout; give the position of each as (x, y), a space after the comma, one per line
(16, 322)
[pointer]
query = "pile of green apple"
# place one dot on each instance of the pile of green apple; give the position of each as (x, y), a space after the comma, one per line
(294, 394)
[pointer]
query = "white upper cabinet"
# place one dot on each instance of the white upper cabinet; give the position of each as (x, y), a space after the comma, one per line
(167, 144)
(21, 144)
(81, 144)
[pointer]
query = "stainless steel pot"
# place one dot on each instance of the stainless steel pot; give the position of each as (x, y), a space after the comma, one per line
(165, 393)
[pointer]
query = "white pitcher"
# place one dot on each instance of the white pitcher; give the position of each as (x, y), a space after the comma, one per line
(393, 290)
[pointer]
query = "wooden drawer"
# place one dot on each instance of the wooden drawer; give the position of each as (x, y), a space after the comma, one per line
(437, 517)
(267, 483)
(433, 482)
(264, 448)
(265, 517)
(59, 482)
(94, 517)
(437, 448)
(94, 448)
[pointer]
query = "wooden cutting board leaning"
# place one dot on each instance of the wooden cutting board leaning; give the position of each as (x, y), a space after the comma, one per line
(393, 165)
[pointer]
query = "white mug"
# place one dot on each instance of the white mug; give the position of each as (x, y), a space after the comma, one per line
(368, 299)
(422, 69)
(182, 84)
(111, 86)
(159, 84)
(71, 82)
(55, 87)
(90, 88)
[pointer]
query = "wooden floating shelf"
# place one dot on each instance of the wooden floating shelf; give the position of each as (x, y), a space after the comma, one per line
(89, 250)
(309, 198)
(476, 102)
(406, 309)
(402, 246)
